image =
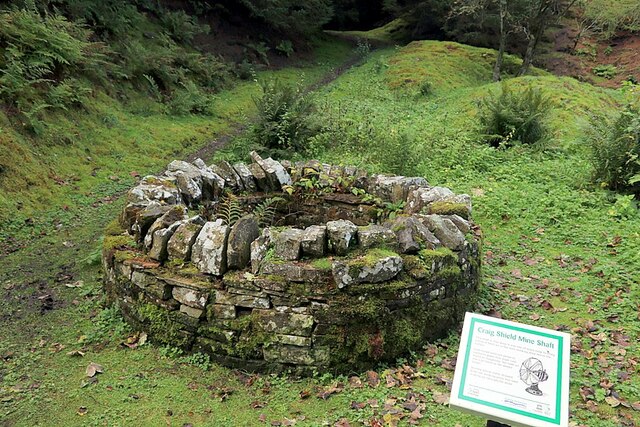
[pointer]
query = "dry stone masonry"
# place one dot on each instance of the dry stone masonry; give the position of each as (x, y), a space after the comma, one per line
(302, 267)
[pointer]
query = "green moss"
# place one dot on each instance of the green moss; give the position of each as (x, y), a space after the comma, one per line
(114, 242)
(114, 228)
(162, 325)
(416, 267)
(449, 208)
(359, 259)
(440, 256)
(249, 340)
(121, 256)
(322, 263)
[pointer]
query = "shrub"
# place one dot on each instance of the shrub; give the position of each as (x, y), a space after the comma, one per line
(607, 71)
(38, 56)
(284, 117)
(615, 149)
(181, 27)
(512, 117)
(189, 99)
(426, 88)
(285, 48)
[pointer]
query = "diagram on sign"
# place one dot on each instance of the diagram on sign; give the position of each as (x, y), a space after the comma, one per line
(533, 373)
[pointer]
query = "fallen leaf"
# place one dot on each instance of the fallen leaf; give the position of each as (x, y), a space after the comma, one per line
(82, 411)
(75, 353)
(612, 401)
(441, 398)
(304, 394)
(373, 379)
(94, 369)
(358, 405)
(355, 382)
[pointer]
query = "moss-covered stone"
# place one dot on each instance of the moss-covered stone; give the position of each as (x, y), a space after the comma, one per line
(162, 325)
(114, 228)
(449, 208)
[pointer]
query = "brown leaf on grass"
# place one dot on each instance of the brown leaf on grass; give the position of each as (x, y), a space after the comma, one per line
(373, 379)
(355, 382)
(441, 398)
(375, 422)
(415, 415)
(614, 242)
(325, 394)
(636, 406)
(75, 353)
(358, 405)
(592, 406)
(342, 422)
(534, 317)
(494, 313)
(262, 418)
(546, 305)
(391, 382)
(94, 369)
(606, 384)
(448, 364)
(431, 351)
(304, 394)
(373, 403)
(256, 404)
(516, 273)
(587, 393)
(612, 401)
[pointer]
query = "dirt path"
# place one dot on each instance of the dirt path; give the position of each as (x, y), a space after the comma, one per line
(209, 149)
(31, 272)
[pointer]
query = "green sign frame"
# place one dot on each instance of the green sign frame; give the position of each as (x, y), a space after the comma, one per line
(494, 408)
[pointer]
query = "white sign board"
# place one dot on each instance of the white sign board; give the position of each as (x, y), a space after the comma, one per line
(512, 373)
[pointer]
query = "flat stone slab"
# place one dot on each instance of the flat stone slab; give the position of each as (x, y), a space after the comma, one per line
(209, 252)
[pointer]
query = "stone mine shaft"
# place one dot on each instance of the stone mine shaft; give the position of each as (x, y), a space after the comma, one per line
(301, 267)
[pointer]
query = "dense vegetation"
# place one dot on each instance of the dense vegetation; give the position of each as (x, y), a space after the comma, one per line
(96, 94)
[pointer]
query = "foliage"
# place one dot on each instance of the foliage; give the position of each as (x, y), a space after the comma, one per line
(363, 48)
(284, 119)
(607, 71)
(229, 209)
(266, 211)
(188, 99)
(181, 27)
(41, 58)
(290, 16)
(426, 88)
(285, 47)
(611, 16)
(615, 149)
(512, 116)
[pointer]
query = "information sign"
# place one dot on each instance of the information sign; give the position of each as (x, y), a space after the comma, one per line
(513, 373)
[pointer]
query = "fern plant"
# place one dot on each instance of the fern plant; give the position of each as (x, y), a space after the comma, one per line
(265, 212)
(512, 117)
(229, 209)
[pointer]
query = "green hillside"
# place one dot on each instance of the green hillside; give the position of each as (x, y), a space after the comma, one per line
(559, 251)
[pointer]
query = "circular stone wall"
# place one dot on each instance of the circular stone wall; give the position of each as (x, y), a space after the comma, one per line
(303, 267)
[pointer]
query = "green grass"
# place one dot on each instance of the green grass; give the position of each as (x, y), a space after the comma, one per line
(394, 31)
(549, 236)
(94, 153)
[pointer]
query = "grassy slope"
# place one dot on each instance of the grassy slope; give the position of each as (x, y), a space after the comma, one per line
(92, 153)
(541, 220)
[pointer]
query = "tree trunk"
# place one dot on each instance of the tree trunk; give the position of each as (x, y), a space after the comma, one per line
(539, 24)
(497, 68)
(528, 55)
